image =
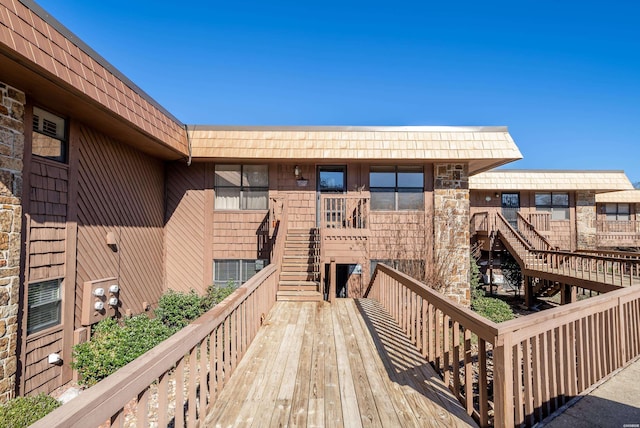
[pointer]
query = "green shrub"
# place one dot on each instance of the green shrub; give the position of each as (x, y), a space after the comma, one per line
(494, 309)
(216, 294)
(176, 310)
(23, 411)
(114, 345)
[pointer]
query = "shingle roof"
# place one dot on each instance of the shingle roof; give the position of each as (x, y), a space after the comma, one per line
(550, 180)
(483, 147)
(628, 196)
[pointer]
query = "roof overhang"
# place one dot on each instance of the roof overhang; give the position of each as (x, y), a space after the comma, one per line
(624, 196)
(57, 71)
(482, 148)
(597, 181)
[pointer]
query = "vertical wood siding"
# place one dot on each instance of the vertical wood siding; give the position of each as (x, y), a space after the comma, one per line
(185, 227)
(120, 190)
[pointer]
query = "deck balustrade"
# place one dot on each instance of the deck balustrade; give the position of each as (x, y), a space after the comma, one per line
(344, 212)
(191, 367)
(518, 372)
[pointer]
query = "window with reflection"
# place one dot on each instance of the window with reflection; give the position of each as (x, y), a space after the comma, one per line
(396, 188)
(617, 212)
(557, 203)
(241, 187)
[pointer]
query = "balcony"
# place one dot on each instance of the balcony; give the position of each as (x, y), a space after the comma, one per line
(618, 233)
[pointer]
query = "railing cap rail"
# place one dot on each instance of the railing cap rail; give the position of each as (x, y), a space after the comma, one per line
(484, 328)
(101, 401)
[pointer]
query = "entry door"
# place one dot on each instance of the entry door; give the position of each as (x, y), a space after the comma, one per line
(510, 208)
(331, 180)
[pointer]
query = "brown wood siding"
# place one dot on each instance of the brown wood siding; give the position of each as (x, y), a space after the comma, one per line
(120, 190)
(185, 227)
(40, 376)
(235, 234)
(48, 216)
(399, 235)
(302, 200)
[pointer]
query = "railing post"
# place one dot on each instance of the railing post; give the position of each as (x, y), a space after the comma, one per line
(332, 280)
(503, 381)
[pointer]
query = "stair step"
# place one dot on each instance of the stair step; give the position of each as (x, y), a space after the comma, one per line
(299, 296)
(297, 288)
(298, 283)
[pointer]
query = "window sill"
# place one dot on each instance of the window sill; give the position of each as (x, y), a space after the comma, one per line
(46, 332)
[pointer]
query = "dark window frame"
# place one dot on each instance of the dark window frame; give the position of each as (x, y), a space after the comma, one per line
(608, 215)
(553, 207)
(397, 189)
(243, 189)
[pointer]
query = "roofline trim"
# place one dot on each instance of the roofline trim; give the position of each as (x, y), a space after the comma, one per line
(559, 171)
(299, 128)
(58, 26)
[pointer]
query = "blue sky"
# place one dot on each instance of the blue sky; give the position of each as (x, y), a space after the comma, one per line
(564, 76)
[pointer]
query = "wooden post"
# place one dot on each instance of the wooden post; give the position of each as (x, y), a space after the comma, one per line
(332, 280)
(503, 382)
(529, 298)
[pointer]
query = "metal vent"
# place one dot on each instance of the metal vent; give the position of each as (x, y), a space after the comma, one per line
(48, 124)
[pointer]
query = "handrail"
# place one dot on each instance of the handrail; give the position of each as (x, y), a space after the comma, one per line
(209, 349)
(281, 229)
(614, 254)
(539, 362)
(629, 226)
(530, 233)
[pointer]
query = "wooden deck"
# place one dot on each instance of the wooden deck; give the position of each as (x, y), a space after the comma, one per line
(343, 364)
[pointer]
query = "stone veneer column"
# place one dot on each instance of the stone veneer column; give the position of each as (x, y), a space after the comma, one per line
(586, 220)
(451, 228)
(11, 153)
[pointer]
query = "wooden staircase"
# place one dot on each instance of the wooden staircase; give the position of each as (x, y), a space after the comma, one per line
(300, 270)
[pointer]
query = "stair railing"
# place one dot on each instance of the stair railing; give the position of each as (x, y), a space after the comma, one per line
(532, 235)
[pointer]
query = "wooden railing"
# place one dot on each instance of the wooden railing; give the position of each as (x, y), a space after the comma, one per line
(541, 221)
(606, 270)
(280, 215)
(614, 254)
(630, 227)
(531, 234)
(517, 372)
(177, 381)
(344, 212)
(517, 246)
(479, 222)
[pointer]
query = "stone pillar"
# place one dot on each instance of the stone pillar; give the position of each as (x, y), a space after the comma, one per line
(451, 230)
(586, 220)
(11, 152)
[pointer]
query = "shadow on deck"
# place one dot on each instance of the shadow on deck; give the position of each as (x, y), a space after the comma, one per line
(345, 364)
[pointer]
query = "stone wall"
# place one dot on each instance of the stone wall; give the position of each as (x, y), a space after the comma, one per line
(451, 230)
(11, 153)
(586, 216)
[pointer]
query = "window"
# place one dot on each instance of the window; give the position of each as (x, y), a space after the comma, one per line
(234, 271)
(44, 305)
(49, 136)
(555, 203)
(242, 187)
(617, 212)
(396, 188)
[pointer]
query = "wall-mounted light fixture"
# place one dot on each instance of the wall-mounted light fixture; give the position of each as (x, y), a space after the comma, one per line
(300, 180)
(497, 195)
(488, 198)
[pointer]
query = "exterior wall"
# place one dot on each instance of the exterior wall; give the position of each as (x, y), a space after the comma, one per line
(451, 231)
(46, 217)
(586, 220)
(185, 228)
(120, 190)
(614, 234)
(12, 103)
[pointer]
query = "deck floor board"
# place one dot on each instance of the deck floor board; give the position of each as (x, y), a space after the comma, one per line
(346, 364)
